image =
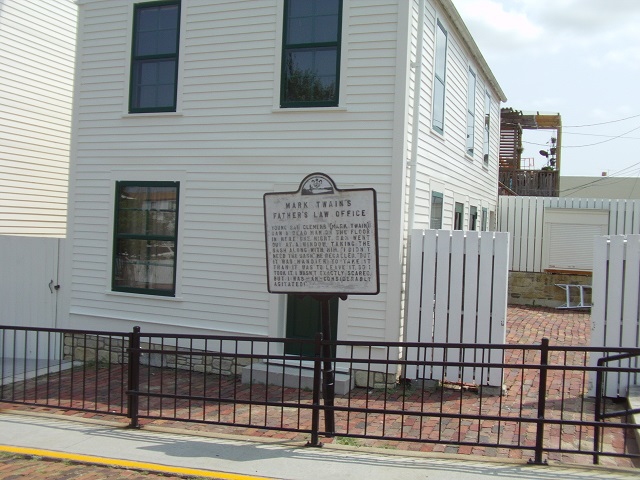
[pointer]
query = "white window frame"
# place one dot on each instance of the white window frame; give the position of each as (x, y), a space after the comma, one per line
(472, 86)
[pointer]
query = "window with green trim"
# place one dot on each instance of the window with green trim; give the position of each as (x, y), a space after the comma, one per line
(473, 218)
(154, 57)
(436, 211)
(487, 128)
(458, 218)
(311, 53)
(145, 237)
(471, 111)
(437, 119)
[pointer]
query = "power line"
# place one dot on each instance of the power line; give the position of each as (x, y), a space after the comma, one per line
(602, 123)
(609, 139)
(603, 141)
(599, 135)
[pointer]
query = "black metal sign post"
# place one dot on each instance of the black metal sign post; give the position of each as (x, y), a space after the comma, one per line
(328, 372)
(322, 241)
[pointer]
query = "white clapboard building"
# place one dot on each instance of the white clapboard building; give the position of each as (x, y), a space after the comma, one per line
(188, 112)
(37, 46)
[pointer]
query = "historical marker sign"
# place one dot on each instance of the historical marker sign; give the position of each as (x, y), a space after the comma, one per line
(322, 240)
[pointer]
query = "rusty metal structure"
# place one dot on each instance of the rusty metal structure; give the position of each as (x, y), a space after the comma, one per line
(513, 178)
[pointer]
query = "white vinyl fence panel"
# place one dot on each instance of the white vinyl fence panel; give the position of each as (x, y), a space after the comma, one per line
(524, 218)
(615, 315)
(457, 293)
(28, 296)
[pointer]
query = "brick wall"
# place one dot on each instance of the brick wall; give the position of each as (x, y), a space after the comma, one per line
(539, 289)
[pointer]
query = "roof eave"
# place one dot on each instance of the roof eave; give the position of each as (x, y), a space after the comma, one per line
(451, 11)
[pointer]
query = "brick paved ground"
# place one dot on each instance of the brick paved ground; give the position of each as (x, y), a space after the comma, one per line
(14, 467)
(422, 410)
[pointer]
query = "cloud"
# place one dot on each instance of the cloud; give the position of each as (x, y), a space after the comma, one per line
(495, 28)
(600, 29)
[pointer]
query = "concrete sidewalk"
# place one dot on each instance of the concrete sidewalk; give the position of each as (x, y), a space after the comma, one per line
(217, 456)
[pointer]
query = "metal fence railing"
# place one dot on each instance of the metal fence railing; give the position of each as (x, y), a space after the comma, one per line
(542, 410)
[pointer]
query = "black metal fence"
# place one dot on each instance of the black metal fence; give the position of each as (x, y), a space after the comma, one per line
(544, 409)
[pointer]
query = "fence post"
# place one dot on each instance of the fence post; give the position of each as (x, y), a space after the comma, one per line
(542, 401)
(134, 378)
(598, 410)
(317, 380)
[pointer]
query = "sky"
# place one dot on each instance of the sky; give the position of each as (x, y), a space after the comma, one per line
(578, 58)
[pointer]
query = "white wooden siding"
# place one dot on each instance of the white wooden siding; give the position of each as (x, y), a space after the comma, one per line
(228, 146)
(37, 42)
(442, 158)
(229, 143)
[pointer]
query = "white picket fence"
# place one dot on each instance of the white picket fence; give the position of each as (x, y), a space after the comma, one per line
(457, 293)
(523, 217)
(615, 315)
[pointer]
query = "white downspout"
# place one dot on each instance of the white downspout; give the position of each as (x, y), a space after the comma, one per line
(415, 131)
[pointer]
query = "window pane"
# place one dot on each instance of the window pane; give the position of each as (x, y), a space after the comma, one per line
(326, 29)
(154, 62)
(487, 127)
(168, 18)
(441, 52)
(311, 52)
(144, 264)
(327, 7)
(132, 222)
(312, 21)
(438, 106)
(471, 93)
(167, 42)
(166, 72)
(147, 19)
(311, 75)
(436, 212)
(156, 30)
(325, 63)
(146, 44)
(458, 216)
(147, 211)
(300, 31)
(154, 84)
(299, 8)
(148, 73)
(146, 222)
(470, 133)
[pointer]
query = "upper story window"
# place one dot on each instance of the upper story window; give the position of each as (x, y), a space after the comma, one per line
(471, 111)
(154, 58)
(487, 129)
(440, 71)
(311, 53)
(145, 237)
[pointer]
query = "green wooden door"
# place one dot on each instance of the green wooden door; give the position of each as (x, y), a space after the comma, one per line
(304, 321)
